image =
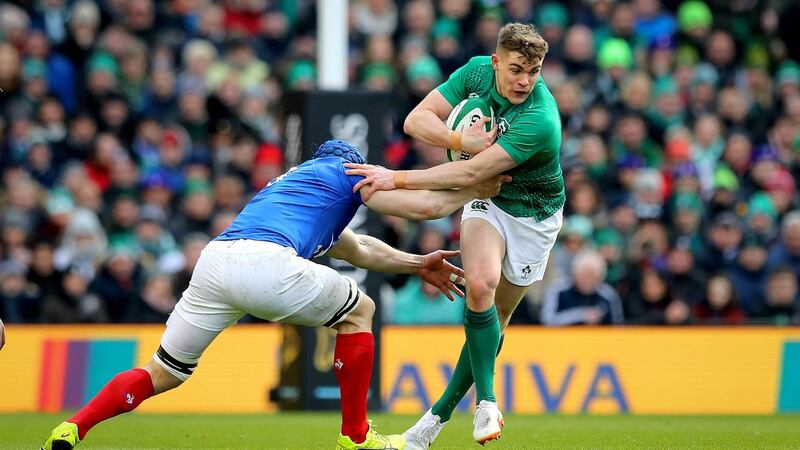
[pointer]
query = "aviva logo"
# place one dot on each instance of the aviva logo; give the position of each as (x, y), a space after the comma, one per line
(73, 371)
(480, 205)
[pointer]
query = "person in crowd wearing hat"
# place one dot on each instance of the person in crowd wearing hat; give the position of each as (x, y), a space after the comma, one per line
(229, 281)
(301, 76)
(615, 60)
(378, 77)
(610, 244)
(724, 191)
(787, 79)
(694, 22)
(584, 298)
(722, 247)
(422, 75)
(762, 216)
(687, 215)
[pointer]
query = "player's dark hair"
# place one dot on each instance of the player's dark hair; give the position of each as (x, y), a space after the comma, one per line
(522, 38)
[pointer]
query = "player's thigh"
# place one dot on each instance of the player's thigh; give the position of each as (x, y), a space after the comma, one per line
(273, 283)
(507, 298)
(199, 316)
(482, 249)
(529, 243)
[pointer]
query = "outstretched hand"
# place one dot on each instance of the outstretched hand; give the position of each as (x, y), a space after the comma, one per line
(435, 270)
(376, 178)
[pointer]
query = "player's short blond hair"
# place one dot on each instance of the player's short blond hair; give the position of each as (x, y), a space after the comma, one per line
(522, 38)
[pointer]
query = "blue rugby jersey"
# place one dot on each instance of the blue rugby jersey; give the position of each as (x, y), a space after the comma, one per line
(306, 209)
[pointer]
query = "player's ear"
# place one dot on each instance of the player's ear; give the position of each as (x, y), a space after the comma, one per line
(495, 61)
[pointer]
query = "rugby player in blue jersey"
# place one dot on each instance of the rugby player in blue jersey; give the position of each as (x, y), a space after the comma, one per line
(261, 265)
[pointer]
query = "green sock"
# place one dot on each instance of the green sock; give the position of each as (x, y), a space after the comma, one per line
(483, 339)
(458, 385)
(456, 388)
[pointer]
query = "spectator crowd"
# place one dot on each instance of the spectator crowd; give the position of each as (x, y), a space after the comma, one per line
(133, 131)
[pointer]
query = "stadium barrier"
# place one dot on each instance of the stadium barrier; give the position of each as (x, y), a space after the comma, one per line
(636, 370)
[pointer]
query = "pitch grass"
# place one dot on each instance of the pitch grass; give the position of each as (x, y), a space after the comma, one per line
(319, 431)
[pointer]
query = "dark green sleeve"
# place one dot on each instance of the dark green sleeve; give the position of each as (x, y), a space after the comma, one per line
(528, 134)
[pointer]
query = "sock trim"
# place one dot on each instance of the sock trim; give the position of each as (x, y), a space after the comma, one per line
(484, 319)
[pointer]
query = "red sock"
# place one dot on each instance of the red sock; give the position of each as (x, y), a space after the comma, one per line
(120, 395)
(352, 363)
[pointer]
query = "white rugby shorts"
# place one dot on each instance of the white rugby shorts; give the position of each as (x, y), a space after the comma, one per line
(528, 241)
(264, 279)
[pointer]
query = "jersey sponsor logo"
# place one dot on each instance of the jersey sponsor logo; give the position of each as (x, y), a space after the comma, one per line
(479, 205)
(502, 126)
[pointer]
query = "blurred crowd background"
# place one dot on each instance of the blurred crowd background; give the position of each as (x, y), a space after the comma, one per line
(132, 131)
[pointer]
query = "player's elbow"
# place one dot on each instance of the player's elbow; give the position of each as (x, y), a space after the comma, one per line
(408, 125)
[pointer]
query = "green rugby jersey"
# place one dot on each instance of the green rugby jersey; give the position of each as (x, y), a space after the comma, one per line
(531, 134)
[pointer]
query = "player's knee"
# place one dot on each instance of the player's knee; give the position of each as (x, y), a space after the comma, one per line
(361, 317)
(169, 370)
(481, 288)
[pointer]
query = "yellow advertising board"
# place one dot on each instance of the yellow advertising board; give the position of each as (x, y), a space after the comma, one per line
(632, 370)
(682, 370)
(50, 368)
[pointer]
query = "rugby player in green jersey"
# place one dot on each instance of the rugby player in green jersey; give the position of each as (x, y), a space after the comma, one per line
(505, 241)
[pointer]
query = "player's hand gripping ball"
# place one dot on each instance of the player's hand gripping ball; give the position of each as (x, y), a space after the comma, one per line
(466, 113)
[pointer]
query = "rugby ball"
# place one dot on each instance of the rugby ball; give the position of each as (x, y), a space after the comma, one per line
(467, 112)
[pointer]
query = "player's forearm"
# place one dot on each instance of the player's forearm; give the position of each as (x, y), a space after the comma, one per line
(423, 125)
(374, 254)
(445, 202)
(452, 175)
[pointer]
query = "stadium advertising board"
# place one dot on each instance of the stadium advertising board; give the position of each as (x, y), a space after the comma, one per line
(607, 370)
(540, 370)
(54, 368)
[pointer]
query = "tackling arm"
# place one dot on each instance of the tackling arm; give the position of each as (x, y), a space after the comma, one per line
(457, 174)
(370, 253)
(424, 204)
(373, 254)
